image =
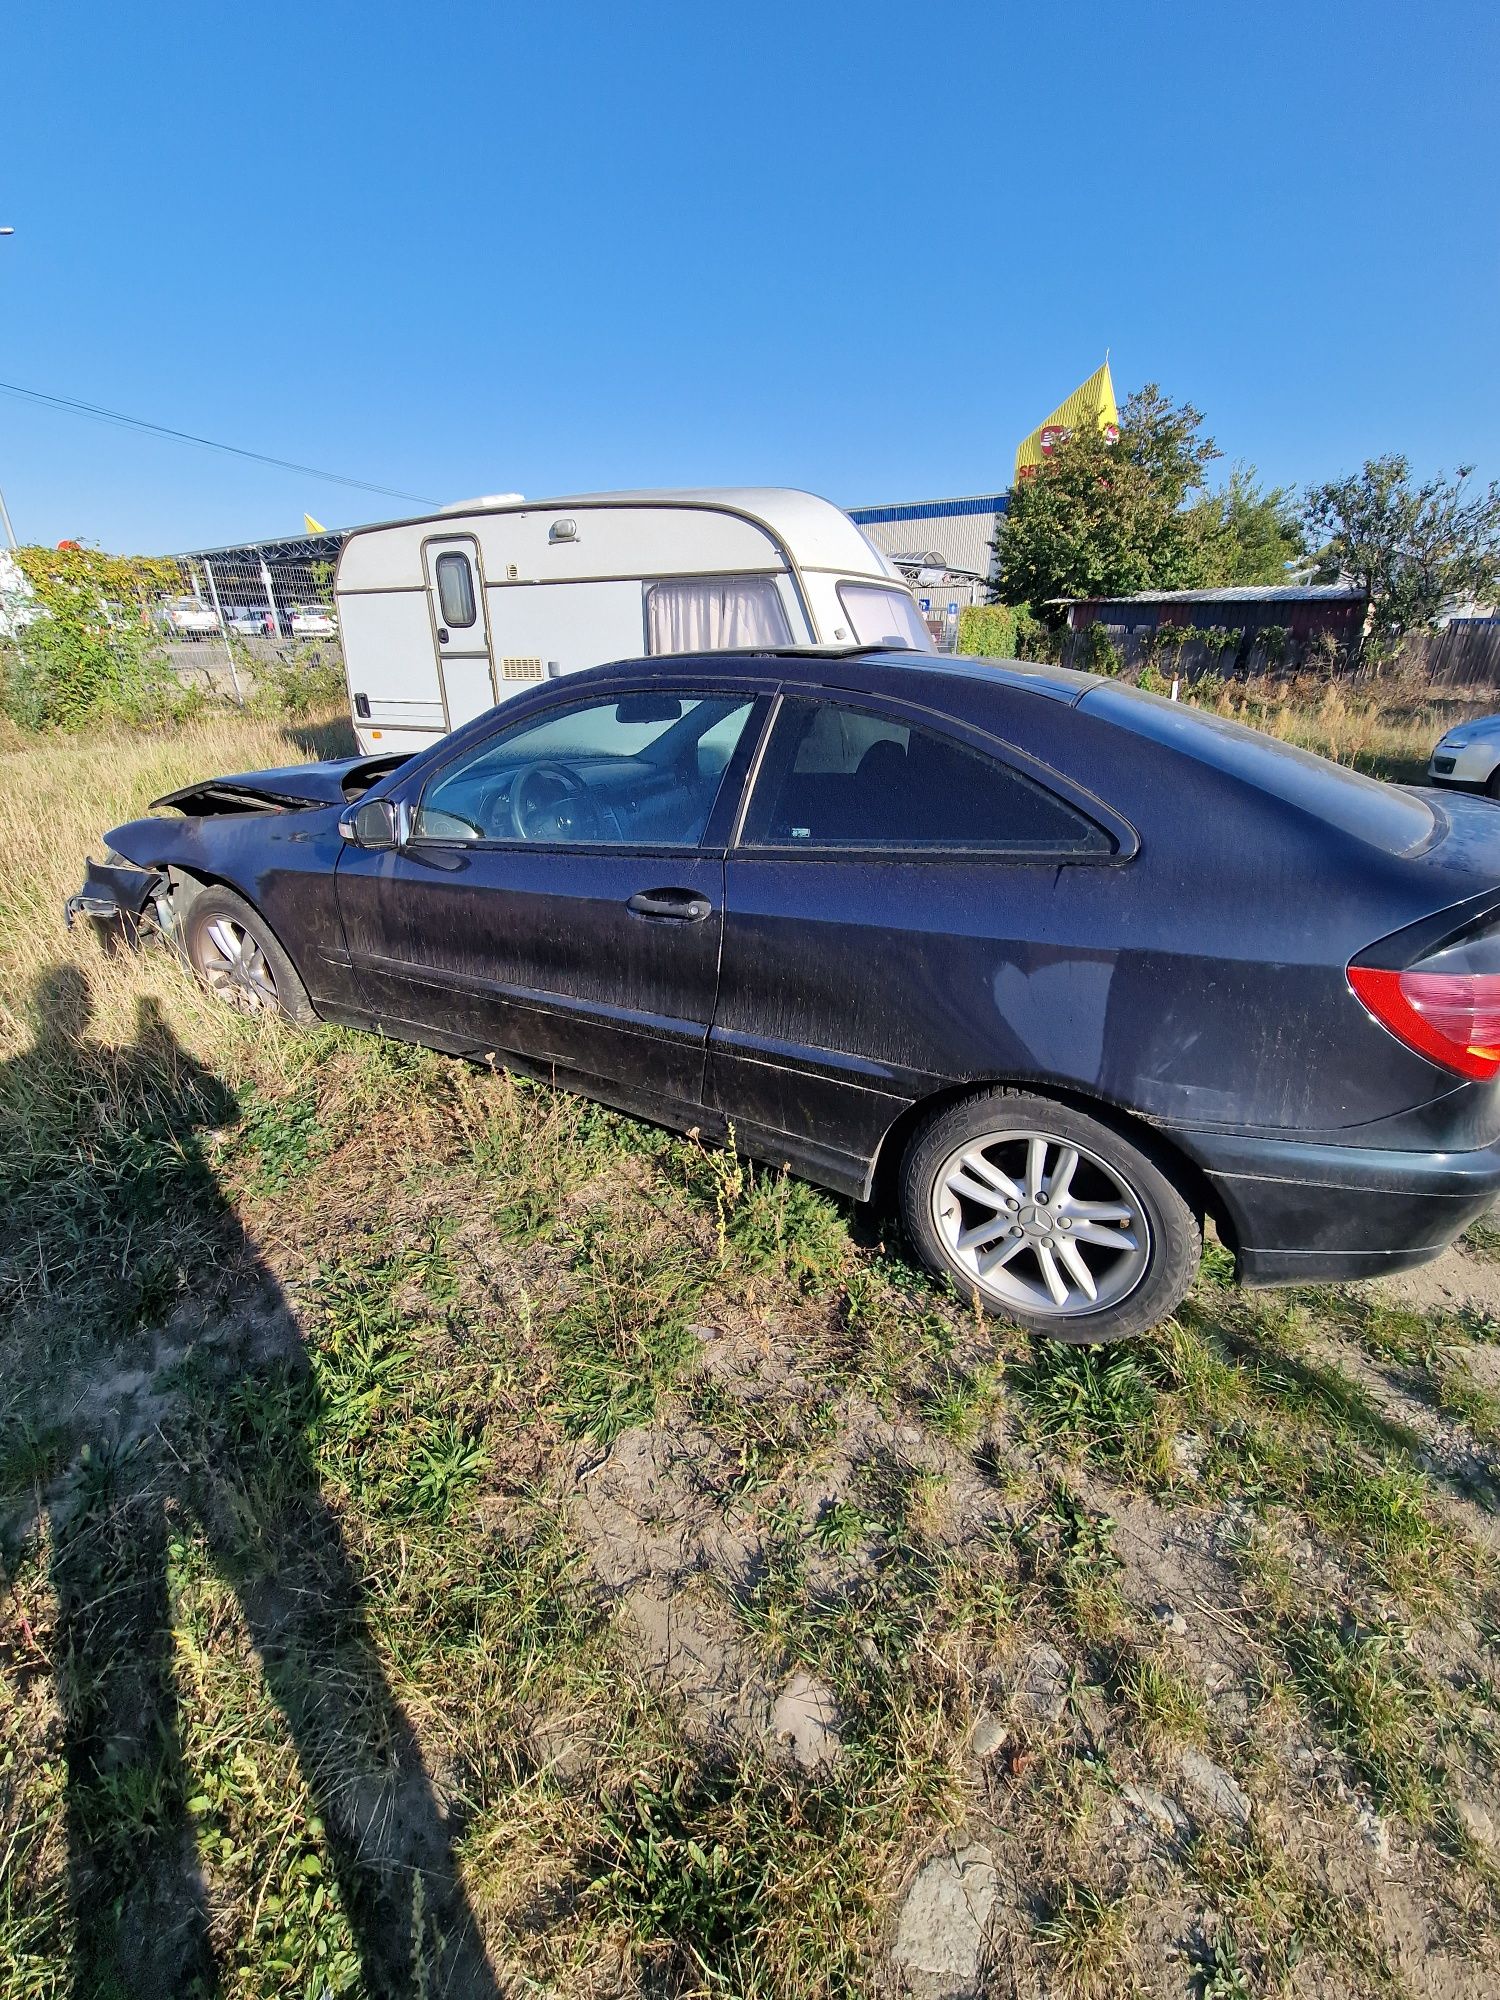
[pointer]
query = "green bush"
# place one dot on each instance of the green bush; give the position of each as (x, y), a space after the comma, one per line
(1005, 632)
(303, 682)
(66, 670)
(988, 630)
(1097, 652)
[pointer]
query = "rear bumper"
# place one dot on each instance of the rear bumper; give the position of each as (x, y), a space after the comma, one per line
(1306, 1214)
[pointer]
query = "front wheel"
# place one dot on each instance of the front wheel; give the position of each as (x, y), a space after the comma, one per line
(239, 958)
(1049, 1217)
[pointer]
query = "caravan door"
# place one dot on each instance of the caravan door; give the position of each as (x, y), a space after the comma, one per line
(461, 626)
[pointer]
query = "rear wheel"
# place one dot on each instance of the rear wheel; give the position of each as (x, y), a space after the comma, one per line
(239, 959)
(1492, 785)
(1051, 1218)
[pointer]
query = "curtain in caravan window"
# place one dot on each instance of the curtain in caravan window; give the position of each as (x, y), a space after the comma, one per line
(706, 613)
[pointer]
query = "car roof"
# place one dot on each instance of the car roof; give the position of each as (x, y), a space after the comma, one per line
(876, 669)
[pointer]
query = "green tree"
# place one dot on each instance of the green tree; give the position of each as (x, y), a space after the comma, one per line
(1412, 546)
(1249, 536)
(1106, 519)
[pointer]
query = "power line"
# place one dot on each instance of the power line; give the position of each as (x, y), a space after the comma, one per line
(209, 444)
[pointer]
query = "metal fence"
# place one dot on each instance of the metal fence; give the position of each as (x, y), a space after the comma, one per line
(241, 611)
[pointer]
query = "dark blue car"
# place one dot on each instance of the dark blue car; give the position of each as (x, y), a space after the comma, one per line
(1060, 967)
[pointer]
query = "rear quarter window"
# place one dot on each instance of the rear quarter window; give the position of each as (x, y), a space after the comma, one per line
(838, 775)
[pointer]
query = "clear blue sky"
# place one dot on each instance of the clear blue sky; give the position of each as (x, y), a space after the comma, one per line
(461, 248)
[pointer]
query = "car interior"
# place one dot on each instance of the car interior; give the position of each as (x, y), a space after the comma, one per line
(643, 770)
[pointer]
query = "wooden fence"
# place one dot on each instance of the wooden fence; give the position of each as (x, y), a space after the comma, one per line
(1464, 654)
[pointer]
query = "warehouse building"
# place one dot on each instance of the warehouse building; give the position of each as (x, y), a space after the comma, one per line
(939, 545)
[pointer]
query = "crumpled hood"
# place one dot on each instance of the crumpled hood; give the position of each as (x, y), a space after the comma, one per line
(336, 782)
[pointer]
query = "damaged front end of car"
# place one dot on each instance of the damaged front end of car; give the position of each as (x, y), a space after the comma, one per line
(169, 855)
(117, 893)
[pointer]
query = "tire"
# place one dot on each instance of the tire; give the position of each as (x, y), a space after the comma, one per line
(1492, 784)
(258, 978)
(979, 1222)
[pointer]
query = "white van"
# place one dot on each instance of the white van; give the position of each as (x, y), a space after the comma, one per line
(445, 616)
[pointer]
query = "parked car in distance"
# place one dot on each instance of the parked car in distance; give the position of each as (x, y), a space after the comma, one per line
(248, 624)
(313, 621)
(188, 618)
(1064, 967)
(1468, 757)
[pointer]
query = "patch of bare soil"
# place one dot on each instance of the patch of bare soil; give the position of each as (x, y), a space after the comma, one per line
(1460, 1280)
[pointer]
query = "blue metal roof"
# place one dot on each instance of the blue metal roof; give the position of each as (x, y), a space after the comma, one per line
(930, 510)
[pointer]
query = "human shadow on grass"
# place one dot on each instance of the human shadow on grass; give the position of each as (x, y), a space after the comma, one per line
(183, 1394)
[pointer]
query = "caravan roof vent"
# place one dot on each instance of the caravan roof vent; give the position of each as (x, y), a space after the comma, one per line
(484, 500)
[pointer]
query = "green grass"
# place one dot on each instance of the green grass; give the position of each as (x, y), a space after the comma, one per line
(624, 1336)
(1163, 1702)
(1371, 1703)
(1084, 1935)
(312, 1353)
(735, 1884)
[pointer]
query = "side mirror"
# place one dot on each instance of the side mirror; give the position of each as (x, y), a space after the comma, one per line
(375, 823)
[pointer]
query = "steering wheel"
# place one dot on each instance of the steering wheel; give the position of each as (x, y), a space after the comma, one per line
(582, 825)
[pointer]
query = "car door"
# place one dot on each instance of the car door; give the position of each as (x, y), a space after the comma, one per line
(559, 895)
(891, 925)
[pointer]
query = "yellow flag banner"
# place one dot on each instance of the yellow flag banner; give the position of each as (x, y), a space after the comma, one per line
(314, 527)
(1092, 402)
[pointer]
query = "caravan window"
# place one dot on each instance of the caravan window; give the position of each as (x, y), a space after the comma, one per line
(704, 614)
(455, 582)
(881, 617)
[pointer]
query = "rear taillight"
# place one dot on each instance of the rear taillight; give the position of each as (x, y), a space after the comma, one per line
(1445, 1009)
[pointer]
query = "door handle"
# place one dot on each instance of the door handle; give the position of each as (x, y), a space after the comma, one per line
(683, 906)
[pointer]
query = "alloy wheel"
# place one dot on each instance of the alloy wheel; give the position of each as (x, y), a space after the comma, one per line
(235, 967)
(1040, 1225)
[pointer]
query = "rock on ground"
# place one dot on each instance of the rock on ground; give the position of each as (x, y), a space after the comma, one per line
(1044, 1680)
(940, 1936)
(1164, 1814)
(805, 1717)
(1215, 1786)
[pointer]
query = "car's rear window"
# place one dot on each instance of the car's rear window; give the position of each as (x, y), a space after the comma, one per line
(1384, 816)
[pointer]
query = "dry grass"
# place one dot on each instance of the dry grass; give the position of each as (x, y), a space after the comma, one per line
(416, 1487)
(1387, 728)
(58, 796)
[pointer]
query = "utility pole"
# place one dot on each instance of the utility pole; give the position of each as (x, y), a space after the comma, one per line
(10, 533)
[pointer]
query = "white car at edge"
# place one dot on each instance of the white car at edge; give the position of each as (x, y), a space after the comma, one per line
(1469, 756)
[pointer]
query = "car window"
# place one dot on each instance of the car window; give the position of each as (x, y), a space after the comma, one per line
(639, 770)
(839, 776)
(881, 617)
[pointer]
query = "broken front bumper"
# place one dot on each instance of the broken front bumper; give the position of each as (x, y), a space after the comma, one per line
(113, 892)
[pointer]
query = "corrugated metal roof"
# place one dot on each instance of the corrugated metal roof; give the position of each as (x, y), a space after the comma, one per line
(960, 530)
(929, 510)
(1235, 593)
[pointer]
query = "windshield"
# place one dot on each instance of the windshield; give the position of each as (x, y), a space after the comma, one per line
(884, 617)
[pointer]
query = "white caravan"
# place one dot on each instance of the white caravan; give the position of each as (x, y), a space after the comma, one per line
(445, 616)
